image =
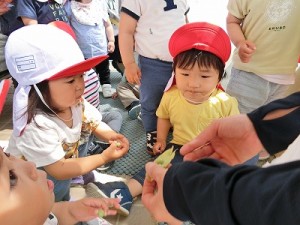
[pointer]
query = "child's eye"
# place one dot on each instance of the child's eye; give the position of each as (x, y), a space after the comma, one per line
(185, 74)
(7, 154)
(13, 179)
(70, 81)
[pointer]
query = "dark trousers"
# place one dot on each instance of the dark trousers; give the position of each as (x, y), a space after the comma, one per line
(103, 71)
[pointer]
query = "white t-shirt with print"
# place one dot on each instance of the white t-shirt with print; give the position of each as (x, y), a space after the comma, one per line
(49, 139)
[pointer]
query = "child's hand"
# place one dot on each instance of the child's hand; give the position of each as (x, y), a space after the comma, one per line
(111, 46)
(88, 208)
(246, 49)
(159, 147)
(133, 73)
(119, 146)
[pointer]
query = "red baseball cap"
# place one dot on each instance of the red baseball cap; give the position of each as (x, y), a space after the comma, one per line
(202, 36)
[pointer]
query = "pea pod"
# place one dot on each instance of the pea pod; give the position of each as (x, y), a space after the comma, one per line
(101, 213)
(165, 158)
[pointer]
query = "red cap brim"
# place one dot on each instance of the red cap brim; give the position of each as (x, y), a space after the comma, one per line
(79, 68)
(4, 88)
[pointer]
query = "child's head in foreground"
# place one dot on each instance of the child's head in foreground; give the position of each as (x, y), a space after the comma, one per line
(26, 195)
(48, 65)
(200, 51)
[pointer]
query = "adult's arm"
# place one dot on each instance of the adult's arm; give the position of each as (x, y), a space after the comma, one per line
(210, 192)
(277, 124)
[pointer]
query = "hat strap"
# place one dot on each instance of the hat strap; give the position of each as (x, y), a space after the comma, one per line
(43, 100)
(20, 115)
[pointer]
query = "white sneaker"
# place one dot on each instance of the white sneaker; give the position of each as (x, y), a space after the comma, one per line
(107, 90)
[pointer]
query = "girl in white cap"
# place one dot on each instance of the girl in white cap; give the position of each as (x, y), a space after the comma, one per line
(51, 120)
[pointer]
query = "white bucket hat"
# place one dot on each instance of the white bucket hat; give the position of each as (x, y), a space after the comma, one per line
(41, 52)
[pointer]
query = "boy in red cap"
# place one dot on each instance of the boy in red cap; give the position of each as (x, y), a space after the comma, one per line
(51, 120)
(200, 51)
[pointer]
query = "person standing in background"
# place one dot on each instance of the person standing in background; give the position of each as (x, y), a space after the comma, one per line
(143, 32)
(114, 7)
(95, 36)
(263, 66)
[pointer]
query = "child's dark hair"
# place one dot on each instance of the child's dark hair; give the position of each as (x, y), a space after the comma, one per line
(187, 60)
(35, 103)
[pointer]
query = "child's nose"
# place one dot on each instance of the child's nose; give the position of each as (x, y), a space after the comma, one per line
(194, 81)
(79, 84)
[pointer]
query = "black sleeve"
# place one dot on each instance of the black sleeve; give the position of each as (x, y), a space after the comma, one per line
(211, 193)
(277, 134)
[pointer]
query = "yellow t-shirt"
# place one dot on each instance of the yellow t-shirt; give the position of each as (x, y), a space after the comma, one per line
(187, 119)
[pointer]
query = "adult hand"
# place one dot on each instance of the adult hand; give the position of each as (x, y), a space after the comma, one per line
(133, 73)
(246, 49)
(152, 195)
(232, 140)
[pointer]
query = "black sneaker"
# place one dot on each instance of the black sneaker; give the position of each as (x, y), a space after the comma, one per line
(151, 140)
(134, 110)
(118, 66)
(97, 147)
(117, 189)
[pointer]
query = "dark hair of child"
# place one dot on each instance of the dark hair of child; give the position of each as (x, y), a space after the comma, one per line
(187, 59)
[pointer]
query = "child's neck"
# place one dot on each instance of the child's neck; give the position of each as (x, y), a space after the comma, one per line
(195, 102)
(66, 116)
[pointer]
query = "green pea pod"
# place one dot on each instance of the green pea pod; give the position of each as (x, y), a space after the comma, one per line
(165, 158)
(101, 213)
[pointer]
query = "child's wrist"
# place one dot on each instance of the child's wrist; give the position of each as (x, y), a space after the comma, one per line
(128, 64)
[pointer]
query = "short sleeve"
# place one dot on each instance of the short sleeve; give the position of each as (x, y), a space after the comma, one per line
(162, 110)
(40, 142)
(26, 8)
(237, 8)
(132, 6)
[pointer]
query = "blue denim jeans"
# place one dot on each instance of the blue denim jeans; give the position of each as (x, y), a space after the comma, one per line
(155, 76)
(62, 187)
